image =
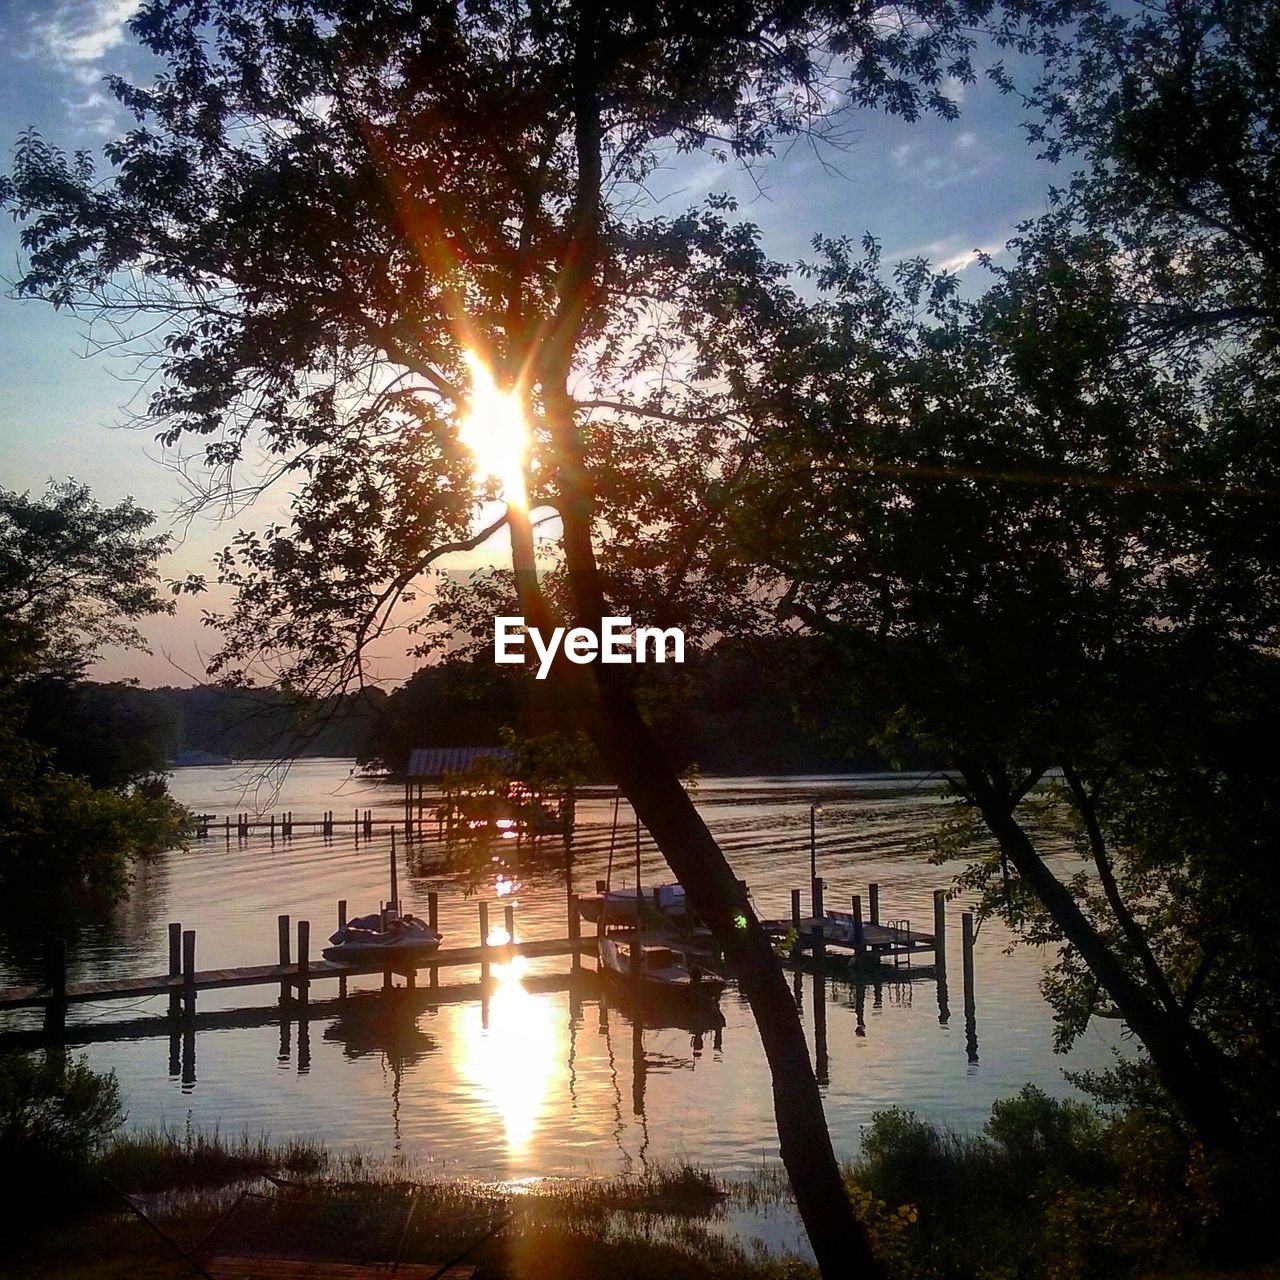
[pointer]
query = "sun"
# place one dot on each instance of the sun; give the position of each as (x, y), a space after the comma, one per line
(496, 433)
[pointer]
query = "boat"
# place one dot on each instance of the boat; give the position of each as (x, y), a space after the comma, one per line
(367, 938)
(619, 905)
(665, 974)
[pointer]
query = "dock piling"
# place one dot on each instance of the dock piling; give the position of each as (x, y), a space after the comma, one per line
(818, 908)
(795, 910)
(189, 972)
(175, 962)
(858, 935)
(282, 934)
(940, 930)
(55, 978)
(395, 884)
(575, 933)
(304, 958)
(873, 896)
(484, 942)
(433, 919)
(342, 920)
(970, 1017)
(966, 952)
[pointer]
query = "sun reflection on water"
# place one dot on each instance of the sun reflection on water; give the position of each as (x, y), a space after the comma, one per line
(511, 1053)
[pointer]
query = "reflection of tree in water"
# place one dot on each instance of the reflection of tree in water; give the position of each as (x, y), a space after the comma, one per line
(93, 925)
(389, 1028)
(378, 1025)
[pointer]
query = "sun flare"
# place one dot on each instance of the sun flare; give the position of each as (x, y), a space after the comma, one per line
(496, 433)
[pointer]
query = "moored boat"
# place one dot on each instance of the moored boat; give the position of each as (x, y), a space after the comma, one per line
(619, 906)
(366, 938)
(665, 974)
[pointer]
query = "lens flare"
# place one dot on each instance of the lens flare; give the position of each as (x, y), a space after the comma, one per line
(496, 433)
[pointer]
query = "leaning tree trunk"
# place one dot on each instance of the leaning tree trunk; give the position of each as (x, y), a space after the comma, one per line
(1198, 1090)
(608, 713)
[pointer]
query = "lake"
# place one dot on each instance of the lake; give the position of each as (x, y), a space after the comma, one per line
(535, 1084)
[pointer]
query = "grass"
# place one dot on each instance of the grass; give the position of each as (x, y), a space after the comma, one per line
(164, 1159)
(976, 1216)
(667, 1221)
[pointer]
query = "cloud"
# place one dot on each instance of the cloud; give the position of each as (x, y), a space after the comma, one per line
(76, 33)
(944, 254)
(960, 261)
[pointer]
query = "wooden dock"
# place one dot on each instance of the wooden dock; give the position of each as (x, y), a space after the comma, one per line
(862, 941)
(263, 975)
(359, 1005)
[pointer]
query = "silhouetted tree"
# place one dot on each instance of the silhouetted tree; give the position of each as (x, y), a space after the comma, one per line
(330, 201)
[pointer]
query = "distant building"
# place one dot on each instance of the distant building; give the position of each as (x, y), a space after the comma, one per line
(194, 759)
(427, 764)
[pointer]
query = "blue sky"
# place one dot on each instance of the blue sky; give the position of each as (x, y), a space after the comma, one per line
(934, 188)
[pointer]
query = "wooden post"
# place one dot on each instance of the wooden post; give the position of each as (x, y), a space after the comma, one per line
(873, 892)
(795, 909)
(817, 898)
(342, 920)
(175, 962)
(484, 943)
(433, 919)
(189, 972)
(575, 933)
(970, 1018)
(304, 959)
(282, 934)
(55, 978)
(940, 930)
(819, 944)
(55, 967)
(858, 936)
(510, 921)
(395, 884)
(273, 828)
(966, 955)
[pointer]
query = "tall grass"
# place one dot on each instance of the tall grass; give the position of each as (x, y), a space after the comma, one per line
(166, 1159)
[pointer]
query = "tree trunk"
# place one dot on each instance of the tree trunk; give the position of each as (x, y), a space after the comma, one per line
(1198, 1091)
(608, 713)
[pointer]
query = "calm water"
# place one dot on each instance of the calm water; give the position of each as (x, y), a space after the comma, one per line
(538, 1083)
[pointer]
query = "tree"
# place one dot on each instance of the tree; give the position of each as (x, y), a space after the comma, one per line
(1038, 529)
(330, 202)
(1030, 544)
(75, 576)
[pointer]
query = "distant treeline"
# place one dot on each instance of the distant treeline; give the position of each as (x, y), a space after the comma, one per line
(767, 707)
(731, 710)
(93, 726)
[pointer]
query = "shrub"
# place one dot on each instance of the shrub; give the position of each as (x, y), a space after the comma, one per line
(55, 1115)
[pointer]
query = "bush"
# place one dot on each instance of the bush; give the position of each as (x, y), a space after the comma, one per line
(55, 1116)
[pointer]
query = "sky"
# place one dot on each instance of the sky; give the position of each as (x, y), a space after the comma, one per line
(939, 189)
